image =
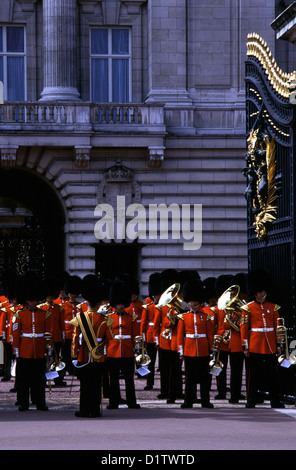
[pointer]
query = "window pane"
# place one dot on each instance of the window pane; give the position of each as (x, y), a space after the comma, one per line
(1, 39)
(120, 41)
(15, 39)
(120, 80)
(99, 70)
(15, 79)
(99, 41)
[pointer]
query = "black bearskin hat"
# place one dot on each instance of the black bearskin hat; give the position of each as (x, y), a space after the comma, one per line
(120, 293)
(259, 280)
(61, 278)
(186, 275)
(223, 282)
(209, 284)
(73, 285)
(240, 279)
(92, 289)
(131, 281)
(193, 291)
(168, 278)
(50, 287)
(29, 288)
(154, 285)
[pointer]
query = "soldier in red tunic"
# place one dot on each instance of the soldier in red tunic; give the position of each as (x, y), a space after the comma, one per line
(195, 333)
(259, 338)
(28, 328)
(120, 346)
(89, 355)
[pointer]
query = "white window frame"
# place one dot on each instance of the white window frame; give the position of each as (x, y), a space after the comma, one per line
(109, 56)
(6, 54)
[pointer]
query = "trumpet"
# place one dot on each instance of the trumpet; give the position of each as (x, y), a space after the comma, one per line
(142, 358)
(54, 364)
(282, 340)
(216, 365)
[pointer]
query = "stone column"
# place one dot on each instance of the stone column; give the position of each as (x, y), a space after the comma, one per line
(60, 34)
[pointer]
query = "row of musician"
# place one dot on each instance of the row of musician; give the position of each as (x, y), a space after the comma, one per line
(183, 319)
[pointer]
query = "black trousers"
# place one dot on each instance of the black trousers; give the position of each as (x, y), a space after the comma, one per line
(126, 365)
(152, 352)
(31, 378)
(170, 367)
(90, 377)
(66, 352)
(236, 374)
(222, 377)
(262, 376)
(197, 370)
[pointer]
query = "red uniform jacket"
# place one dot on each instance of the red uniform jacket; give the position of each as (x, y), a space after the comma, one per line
(220, 326)
(195, 333)
(136, 308)
(101, 324)
(70, 312)
(161, 323)
(147, 322)
(6, 321)
(28, 328)
(122, 343)
(55, 323)
(259, 331)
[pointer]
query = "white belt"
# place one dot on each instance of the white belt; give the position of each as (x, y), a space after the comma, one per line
(32, 335)
(195, 336)
(262, 330)
(122, 336)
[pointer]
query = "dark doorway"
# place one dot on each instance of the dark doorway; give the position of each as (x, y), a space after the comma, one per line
(31, 225)
(115, 258)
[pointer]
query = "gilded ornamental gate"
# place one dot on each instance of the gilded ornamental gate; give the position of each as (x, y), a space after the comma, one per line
(270, 173)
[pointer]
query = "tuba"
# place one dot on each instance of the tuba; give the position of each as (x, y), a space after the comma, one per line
(142, 358)
(216, 365)
(105, 309)
(170, 297)
(282, 340)
(232, 305)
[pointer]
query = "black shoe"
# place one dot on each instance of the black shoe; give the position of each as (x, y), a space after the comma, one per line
(277, 404)
(23, 408)
(148, 387)
(220, 396)
(95, 415)
(122, 401)
(79, 414)
(170, 401)
(233, 400)
(135, 406)
(207, 405)
(14, 389)
(162, 395)
(186, 405)
(42, 408)
(112, 407)
(250, 404)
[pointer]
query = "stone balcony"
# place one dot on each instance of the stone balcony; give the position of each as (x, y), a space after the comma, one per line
(81, 126)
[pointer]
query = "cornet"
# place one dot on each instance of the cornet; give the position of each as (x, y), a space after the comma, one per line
(216, 365)
(282, 340)
(53, 363)
(142, 358)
